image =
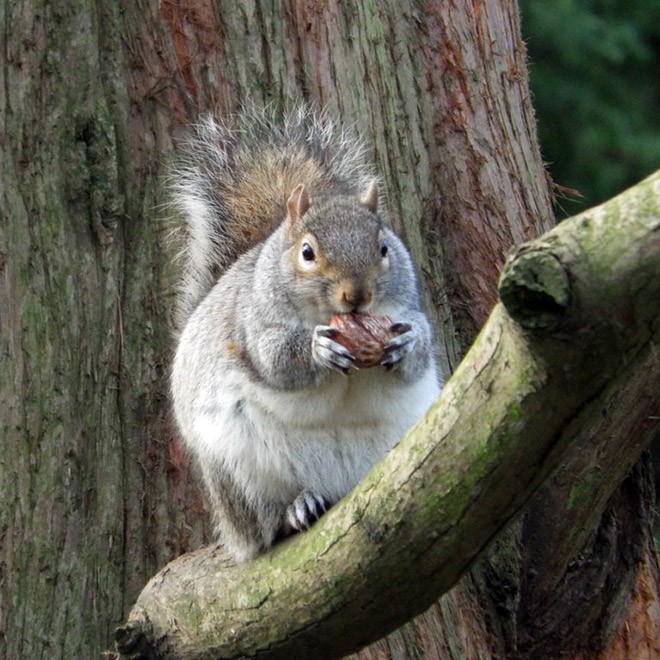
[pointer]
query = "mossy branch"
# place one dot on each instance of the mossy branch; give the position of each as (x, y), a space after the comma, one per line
(581, 315)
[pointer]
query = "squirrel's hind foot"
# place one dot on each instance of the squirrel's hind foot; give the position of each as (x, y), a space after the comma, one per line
(305, 510)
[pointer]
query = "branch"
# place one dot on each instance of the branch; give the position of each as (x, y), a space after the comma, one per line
(583, 320)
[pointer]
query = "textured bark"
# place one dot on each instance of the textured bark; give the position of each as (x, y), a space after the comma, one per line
(504, 421)
(95, 492)
(93, 500)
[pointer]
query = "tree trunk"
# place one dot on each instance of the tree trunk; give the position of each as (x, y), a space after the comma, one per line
(96, 493)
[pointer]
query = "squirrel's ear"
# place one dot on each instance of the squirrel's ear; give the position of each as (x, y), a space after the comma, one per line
(298, 203)
(370, 197)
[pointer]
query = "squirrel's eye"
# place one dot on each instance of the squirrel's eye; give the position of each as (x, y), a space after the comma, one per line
(383, 249)
(307, 252)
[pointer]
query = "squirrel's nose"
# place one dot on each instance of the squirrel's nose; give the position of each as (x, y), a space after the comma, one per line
(355, 296)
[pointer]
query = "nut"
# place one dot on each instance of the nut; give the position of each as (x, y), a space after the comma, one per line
(364, 336)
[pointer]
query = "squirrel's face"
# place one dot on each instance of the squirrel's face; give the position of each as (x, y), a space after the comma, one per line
(341, 258)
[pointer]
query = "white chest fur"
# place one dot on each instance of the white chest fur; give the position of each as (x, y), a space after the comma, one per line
(325, 438)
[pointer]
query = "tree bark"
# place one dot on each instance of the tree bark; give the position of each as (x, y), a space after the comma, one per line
(93, 496)
(505, 420)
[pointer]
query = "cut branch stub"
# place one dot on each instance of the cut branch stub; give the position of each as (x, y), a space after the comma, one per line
(134, 638)
(535, 288)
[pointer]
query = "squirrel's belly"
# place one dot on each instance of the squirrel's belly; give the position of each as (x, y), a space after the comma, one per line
(331, 455)
(325, 439)
(367, 398)
(289, 459)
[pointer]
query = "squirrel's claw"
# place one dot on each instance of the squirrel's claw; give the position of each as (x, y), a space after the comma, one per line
(397, 348)
(401, 328)
(329, 353)
(305, 510)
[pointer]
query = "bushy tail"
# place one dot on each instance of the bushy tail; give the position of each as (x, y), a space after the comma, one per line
(233, 179)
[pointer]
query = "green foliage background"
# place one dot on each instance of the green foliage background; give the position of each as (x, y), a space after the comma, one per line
(595, 76)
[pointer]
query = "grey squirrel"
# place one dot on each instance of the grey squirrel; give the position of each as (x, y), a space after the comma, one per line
(282, 230)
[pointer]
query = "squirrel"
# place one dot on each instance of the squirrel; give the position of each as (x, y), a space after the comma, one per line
(282, 229)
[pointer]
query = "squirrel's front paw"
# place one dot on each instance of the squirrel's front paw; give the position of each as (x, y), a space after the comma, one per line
(330, 353)
(306, 509)
(403, 344)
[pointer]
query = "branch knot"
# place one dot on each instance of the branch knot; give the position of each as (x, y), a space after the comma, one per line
(535, 288)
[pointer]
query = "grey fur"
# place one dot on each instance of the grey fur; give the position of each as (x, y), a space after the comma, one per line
(216, 152)
(259, 384)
